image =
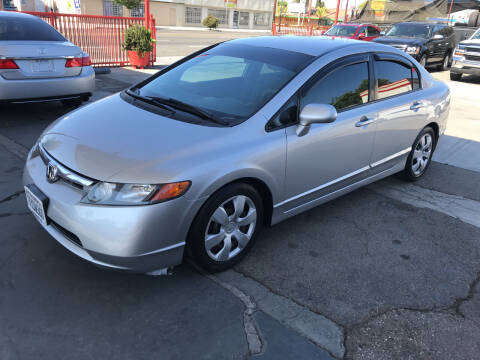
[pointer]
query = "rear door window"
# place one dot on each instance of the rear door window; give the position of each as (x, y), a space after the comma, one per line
(343, 88)
(394, 78)
(33, 29)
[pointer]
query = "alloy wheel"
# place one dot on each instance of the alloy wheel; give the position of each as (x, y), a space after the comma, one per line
(230, 228)
(422, 154)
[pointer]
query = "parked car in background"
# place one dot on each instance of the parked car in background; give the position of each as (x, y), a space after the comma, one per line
(366, 32)
(38, 64)
(204, 153)
(430, 44)
(466, 59)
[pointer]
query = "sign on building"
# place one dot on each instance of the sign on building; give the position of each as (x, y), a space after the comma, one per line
(231, 3)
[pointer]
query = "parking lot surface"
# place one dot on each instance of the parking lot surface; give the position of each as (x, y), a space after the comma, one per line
(390, 271)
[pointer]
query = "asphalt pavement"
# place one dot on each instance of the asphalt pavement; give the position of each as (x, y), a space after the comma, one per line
(390, 271)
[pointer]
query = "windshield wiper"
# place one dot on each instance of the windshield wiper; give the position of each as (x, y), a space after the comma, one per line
(149, 100)
(180, 105)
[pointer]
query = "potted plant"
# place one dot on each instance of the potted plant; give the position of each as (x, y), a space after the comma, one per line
(138, 43)
(211, 22)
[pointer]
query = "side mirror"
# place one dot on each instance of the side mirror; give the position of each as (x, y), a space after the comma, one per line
(315, 114)
(437, 37)
(361, 35)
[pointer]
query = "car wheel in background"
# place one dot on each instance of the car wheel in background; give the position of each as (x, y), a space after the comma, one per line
(455, 76)
(446, 62)
(423, 60)
(420, 156)
(225, 227)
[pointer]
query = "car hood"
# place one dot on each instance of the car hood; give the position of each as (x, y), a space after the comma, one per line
(470, 42)
(112, 140)
(393, 40)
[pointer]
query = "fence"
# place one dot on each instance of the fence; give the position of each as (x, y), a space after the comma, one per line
(305, 30)
(99, 36)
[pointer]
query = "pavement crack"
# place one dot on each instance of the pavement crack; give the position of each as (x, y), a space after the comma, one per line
(254, 340)
(471, 293)
(12, 196)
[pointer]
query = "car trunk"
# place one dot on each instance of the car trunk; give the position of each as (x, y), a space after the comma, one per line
(39, 59)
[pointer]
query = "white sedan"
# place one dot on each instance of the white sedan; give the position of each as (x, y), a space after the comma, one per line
(38, 64)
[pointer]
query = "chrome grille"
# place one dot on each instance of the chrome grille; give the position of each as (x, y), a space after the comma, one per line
(472, 57)
(65, 174)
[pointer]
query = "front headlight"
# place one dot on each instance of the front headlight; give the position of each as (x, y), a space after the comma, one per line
(460, 51)
(412, 50)
(105, 193)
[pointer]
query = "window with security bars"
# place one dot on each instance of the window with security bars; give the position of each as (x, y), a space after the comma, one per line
(138, 11)
(244, 18)
(193, 15)
(221, 15)
(111, 8)
(261, 19)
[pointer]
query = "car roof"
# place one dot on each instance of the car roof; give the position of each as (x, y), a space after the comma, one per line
(310, 45)
(422, 23)
(16, 14)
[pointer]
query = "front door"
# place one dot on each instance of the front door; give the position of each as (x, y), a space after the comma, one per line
(332, 156)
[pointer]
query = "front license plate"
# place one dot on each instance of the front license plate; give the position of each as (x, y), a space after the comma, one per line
(37, 202)
(42, 65)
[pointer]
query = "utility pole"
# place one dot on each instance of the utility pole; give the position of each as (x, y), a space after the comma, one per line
(346, 10)
(336, 14)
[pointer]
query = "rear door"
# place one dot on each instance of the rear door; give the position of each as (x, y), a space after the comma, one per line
(38, 49)
(334, 155)
(401, 114)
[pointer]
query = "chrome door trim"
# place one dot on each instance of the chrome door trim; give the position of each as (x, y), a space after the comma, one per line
(391, 157)
(344, 177)
(308, 192)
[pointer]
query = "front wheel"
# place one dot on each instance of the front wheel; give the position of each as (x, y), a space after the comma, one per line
(423, 60)
(420, 156)
(225, 227)
(455, 76)
(446, 63)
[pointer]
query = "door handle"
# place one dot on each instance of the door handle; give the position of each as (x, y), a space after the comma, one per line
(365, 121)
(416, 105)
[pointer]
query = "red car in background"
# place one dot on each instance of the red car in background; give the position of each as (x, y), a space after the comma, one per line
(366, 32)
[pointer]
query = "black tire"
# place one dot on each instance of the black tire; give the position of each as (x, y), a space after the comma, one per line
(455, 76)
(446, 62)
(196, 247)
(423, 60)
(473, 18)
(408, 172)
(72, 103)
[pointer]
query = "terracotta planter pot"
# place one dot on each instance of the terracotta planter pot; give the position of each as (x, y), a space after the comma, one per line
(138, 61)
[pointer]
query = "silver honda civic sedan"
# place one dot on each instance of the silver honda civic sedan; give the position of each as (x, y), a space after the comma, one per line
(199, 157)
(37, 63)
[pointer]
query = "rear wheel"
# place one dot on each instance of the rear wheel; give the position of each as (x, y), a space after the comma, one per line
(455, 76)
(420, 156)
(225, 228)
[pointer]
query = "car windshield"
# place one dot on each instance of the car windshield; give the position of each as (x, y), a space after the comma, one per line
(341, 30)
(24, 28)
(229, 82)
(476, 35)
(411, 30)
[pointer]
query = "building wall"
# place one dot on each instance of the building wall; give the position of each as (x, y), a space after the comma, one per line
(250, 14)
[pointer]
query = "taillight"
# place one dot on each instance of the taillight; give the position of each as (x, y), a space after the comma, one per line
(79, 61)
(8, 64)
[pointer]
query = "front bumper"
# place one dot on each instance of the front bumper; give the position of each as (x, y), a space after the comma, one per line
(82, 84)
(462, 66)
(132, 238)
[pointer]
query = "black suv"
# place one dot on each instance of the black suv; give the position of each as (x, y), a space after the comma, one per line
(430, 44)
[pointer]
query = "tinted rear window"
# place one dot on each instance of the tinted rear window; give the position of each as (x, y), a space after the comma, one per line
(16, 28)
